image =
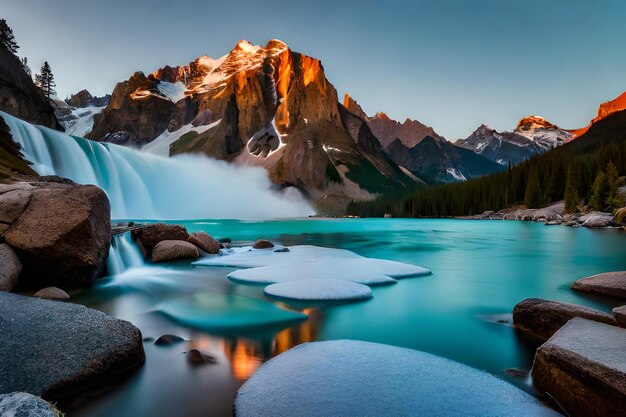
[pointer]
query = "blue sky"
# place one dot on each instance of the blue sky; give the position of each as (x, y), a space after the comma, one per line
(452, 64)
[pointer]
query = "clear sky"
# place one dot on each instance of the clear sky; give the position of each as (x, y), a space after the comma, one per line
(452, 64)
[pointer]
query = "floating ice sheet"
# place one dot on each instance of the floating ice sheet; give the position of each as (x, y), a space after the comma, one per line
(345, 377)
(319, 290)
(309, 263)
(221, 312)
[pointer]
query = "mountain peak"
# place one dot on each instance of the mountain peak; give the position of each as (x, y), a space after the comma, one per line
(605, 110)
(353, 107)
(534, 122)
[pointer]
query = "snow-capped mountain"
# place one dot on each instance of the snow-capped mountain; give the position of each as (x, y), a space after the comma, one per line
(266, 106)
(533, 135)
(76, 114)
(418, 149)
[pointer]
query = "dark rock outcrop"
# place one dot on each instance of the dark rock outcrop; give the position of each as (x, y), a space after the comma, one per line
(169, 250)
(205, 242)
(168, 339)
(612, 284)
(12, 162)
(10, 268)
(75, 348)
(19, 96)
(195, 357)
(148, 237)
(583, 367)
(620, 315)
(62, 234)
(542, 318)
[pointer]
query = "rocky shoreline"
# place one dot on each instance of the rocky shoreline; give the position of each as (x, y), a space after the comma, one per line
(553, 215)
(580, 364)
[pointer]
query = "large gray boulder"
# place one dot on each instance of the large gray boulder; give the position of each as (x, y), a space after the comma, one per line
(23, 404)
(620, 315)
(10, 268)
(612, 284)
(63, 234)
(52, 349)
(583, 366)
(542, 318)
(597, 219)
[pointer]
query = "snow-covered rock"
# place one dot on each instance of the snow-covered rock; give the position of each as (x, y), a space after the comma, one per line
(354, 378)
(319, 290)
(309, 263)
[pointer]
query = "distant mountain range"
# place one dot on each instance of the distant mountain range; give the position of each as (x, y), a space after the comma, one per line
(273, 107)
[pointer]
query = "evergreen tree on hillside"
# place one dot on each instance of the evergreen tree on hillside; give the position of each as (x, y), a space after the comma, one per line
(532, 197)
(45, 80)
(7, 39)
(599, 192)
(613, 200)
(571, 197)
(27, 69)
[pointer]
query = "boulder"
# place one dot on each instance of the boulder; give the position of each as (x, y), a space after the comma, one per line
(543, 318)
(10, 268)
(52, 293)
(205, 242)
(148, 237)
(620, 315)
(23, 404)
(168, 250)
(63, 235)
(612, 284)
(263, 244)
(195, 357)
(597, 219)
(168, 339)
(583, 367)
(52, 349)
(14, 203)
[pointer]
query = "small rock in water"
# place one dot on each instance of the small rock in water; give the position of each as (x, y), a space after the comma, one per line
(148, 339)
(23, 404)
(195, 357)
(131, 224)
(168, 339)
(225, 240)
(52, 293)
(263, 244)
(281, 249)
(517, 373)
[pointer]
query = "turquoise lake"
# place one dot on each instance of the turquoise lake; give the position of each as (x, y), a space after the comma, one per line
(481, 269)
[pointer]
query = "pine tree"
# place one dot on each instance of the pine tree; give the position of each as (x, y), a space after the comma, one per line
(598, 192)
(533, 190)
(613, 200)
(571, 196)
(7, 39)
(27, 69)
(45, 80)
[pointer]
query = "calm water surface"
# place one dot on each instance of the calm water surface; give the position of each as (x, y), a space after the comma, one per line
(480, 269)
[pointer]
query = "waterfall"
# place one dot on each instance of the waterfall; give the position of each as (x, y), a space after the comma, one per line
(123, 255)
(145, 186)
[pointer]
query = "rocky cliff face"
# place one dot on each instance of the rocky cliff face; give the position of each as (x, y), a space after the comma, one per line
(19, 96)
(410, 132)
(266, 106)
(605, 110)
(533, 135)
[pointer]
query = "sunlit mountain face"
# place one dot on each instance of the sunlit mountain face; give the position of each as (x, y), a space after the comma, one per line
(605, 110)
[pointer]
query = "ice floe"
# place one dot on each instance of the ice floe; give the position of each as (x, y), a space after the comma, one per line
(309, 263)
(346, 377)
(319, 290)
(224, 312)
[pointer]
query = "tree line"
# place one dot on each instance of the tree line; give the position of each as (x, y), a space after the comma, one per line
(586, 173)
(45, 79)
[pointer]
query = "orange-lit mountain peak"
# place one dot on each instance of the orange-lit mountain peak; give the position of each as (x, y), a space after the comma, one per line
(605, 110)
(534, 122)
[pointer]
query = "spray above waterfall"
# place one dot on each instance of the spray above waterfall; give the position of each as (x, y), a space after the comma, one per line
(145, 186)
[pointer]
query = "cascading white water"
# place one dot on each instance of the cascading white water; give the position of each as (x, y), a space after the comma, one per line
(123, 255)
(145, 186)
